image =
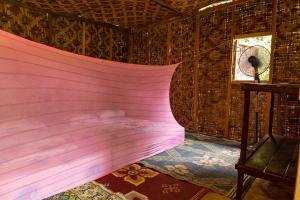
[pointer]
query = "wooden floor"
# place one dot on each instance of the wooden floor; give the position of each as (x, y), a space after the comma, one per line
(260, 190)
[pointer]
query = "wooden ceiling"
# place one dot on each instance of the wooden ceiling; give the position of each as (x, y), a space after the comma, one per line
(125, 13)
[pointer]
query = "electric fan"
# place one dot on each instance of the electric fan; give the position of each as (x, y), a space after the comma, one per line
(253, 62)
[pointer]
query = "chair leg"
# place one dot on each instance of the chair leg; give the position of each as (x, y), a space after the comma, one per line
(239, 191)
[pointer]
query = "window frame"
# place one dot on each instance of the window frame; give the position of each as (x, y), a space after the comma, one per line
(233, 56)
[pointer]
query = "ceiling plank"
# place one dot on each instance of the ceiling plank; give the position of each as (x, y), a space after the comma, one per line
(170, 7)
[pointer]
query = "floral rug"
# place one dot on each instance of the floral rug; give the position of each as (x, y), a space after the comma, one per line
(134, 182)
(204, 161)
(138, 182)
(89, 191)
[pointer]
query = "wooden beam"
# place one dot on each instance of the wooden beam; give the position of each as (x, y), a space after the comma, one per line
(252, 35)
(274, 18)
(64, 14)
(163, 4)
(83, 38)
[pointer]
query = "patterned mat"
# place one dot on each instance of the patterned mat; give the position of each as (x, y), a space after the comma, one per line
(138, 182)
(89, 191)
(134, 182)
(204, 161)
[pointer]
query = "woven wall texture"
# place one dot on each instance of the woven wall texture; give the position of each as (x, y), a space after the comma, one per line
(96, 40)
(215, 107)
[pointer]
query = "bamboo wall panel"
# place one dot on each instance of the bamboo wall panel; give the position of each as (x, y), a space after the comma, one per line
(182, 95)
(97, 41)
(24, 23)
(217, 30)
(287, 45)
(157, 42)
(67, 34)
(182, 40)
(183, 85)
(215, 42)
(119, 46)
(236, 113)
(151, 46)
(253, 16)
(101, 41)
(286, 64)
(140, 47)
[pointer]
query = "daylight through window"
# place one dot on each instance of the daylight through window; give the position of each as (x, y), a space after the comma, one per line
(244, 48)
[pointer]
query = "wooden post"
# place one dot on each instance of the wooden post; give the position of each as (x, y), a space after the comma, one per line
(268, 100)
(83, 38)
(196, 73)
(271, 110)
(245, 127)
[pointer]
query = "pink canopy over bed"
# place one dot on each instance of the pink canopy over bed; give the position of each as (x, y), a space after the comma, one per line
(68, 119)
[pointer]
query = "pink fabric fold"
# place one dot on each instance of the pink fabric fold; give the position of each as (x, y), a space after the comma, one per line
(68, 119)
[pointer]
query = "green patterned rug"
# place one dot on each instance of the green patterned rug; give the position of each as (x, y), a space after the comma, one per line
(92, 190)
(205, 161)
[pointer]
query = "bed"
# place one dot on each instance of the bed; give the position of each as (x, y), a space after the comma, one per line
(68, 119)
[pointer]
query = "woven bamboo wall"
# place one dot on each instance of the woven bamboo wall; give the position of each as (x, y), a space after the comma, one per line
(157, 42)
(96, 40)
(182, 95)
(119, 40)
(208, 103)
(253, 16)
(22, 22)
(286, 64)
(139, 47)
(183, 84)
(161, 45)
(67, 34)
(215, 42)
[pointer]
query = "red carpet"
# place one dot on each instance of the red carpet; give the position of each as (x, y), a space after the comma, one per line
(138, 182)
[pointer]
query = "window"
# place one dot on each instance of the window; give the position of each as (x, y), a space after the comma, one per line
(240, 45)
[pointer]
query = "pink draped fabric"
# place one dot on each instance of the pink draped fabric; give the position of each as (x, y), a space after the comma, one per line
(68, 119)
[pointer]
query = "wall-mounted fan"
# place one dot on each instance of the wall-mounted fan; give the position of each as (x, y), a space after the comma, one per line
(253, 62)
